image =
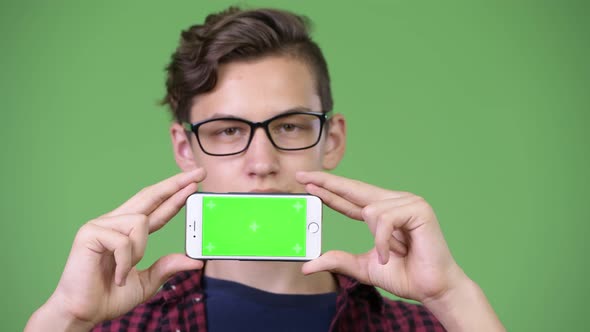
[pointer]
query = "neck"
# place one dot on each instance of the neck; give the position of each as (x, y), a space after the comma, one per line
(273, 277)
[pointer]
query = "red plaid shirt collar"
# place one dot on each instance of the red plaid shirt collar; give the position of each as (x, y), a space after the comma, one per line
(191, 282)
(180, 306)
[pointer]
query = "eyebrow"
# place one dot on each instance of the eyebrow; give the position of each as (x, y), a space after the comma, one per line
(231, 116)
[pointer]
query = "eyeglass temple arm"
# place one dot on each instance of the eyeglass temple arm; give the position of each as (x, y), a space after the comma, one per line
(187, 126)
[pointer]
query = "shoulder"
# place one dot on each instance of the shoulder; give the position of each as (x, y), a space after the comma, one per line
(410, 316)
(365, 308)
(155, 312)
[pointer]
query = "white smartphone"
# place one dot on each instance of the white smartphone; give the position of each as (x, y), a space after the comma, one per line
(253, 226)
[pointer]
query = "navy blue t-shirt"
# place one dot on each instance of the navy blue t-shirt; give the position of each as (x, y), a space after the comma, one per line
(232, 306)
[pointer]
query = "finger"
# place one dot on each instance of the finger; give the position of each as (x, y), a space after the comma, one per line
(386, 219)
(170, 208)
(134, 226)
(373, 212)
(104, 240)
(398, 247)
(401, 237)
(388, 209)
(149, 198)
(165, 267)
(338, 262)
(336, 202)
(383, 240)
(408, 219)
(354, 191)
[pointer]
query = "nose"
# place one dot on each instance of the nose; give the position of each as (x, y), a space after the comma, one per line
(261, 157)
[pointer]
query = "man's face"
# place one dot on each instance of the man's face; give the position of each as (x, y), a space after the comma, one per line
(256, 91)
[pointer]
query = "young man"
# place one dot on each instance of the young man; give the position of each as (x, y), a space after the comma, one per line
(235, 72)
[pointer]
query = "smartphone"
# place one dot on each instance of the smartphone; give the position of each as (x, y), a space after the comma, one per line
(253, 226)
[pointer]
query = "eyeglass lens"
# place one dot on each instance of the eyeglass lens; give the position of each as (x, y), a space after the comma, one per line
(289, 132)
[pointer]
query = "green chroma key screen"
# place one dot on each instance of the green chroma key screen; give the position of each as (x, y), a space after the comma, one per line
(254, 226)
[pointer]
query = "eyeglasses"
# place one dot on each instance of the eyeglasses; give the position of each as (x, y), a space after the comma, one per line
(228, 136)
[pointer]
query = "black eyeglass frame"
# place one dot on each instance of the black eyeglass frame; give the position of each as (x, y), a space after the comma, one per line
(194, 127)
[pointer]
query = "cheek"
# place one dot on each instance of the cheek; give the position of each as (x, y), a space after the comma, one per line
(218, 170)
(220, 175)
(306, 161)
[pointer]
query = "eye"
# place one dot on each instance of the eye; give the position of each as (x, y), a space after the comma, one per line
(294, 125)
(289, 127)
(231, 131)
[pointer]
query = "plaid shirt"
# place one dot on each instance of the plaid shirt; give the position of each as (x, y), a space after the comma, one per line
(180, 306)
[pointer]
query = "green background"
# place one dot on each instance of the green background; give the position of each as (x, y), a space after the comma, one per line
(279, 226)
(481, 107)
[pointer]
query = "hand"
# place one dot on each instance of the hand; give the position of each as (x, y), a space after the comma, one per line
(100, 281)
(410, 258)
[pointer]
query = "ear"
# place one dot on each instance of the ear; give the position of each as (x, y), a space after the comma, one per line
(181, 144)
(335, 142)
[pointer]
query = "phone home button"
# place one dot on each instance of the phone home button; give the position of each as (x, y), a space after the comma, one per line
(313, 227)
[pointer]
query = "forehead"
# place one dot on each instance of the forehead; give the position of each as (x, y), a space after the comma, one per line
(258, 89)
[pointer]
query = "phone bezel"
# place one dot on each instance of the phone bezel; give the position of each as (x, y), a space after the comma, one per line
(193, 225)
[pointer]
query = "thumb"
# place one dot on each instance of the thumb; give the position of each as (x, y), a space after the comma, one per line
(164, 268)
(338, 262)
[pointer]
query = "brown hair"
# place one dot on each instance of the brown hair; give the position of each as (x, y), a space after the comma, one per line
(233, 35)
